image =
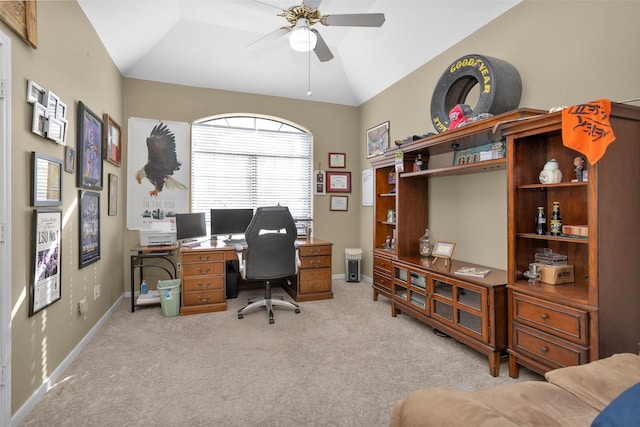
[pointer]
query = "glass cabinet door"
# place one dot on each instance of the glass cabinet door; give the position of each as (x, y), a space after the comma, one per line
(442, 301)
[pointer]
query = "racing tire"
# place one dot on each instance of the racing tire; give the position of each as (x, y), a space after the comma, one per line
(499, 81)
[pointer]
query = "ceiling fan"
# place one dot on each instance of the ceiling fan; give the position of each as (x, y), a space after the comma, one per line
(301, 18)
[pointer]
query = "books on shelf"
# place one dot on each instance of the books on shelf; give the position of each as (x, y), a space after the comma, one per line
(473, 271)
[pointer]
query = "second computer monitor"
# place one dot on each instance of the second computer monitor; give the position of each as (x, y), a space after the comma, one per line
(230, 221)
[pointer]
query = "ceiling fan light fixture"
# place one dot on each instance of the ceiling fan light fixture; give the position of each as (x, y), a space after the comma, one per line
(301, 38)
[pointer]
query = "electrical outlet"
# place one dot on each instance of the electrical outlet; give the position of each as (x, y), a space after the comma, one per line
(96, 292)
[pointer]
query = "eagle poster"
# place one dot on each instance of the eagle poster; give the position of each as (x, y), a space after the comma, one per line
(158, 172)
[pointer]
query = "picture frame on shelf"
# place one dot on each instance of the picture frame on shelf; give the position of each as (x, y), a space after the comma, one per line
(35, 93)
(443, 250)
(69, 159)
(113, 195)
(39, 121)
(112, 140)
(90, 128)
(46, 176)
(337, 160)
(338, 182)
(339, 203)
(89, 219)
(46, 268)
(377, 139)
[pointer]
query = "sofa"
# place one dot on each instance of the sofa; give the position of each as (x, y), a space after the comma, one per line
(602, 393)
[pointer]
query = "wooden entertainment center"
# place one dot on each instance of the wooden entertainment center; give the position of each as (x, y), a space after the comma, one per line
(541, 326)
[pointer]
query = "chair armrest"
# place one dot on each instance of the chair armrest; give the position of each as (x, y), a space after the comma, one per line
(238, 248)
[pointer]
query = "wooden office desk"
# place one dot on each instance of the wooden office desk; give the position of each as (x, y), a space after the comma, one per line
(203, 273)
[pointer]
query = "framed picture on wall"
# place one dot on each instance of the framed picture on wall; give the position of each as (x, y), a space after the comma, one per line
(112, 140)
(46, 180)
(89, 148)
(339, 203)
(89, 220)
(377, 139)
(338, 182)
(46, 268)
(113, 194)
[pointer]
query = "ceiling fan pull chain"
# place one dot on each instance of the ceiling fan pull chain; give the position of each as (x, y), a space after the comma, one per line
(309, 67)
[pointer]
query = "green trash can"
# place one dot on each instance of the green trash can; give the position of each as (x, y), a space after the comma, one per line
(169, 291)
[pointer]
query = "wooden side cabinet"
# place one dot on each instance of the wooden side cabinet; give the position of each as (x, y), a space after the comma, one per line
(203, 281)
(595, 315)
(313, 281)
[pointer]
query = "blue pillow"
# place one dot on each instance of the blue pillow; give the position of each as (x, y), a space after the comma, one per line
(624, 410)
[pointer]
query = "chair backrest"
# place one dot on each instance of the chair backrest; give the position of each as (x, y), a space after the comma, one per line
(271, 250)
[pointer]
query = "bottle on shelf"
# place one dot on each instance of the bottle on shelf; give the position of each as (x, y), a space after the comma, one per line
(144, 288)
(555, 225)
(426, 244)
(541, 222)
(417, 165)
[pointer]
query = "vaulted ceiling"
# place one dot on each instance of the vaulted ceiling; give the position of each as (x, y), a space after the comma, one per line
(205, 43)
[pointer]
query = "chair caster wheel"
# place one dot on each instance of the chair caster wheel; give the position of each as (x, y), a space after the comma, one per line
(240, 316)
(297, 310)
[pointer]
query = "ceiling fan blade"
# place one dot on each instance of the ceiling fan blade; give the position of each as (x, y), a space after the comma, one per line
(322, 50)
(354, 20)
(312, 4)
(272, 36)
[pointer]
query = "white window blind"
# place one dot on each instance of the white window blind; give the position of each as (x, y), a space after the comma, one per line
(248, 162)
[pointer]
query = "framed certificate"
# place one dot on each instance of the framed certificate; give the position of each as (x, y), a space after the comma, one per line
(337, 160)
(338, 182)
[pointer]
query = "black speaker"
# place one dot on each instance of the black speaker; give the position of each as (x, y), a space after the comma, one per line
(353, 270)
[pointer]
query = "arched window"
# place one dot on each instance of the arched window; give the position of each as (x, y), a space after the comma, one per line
(251, 161)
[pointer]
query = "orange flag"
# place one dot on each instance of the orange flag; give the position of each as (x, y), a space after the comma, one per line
(586, 129)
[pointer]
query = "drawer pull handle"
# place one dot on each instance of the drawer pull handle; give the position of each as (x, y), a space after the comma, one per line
(544, 349)
(204, 258)
(544, 316)
(201, 271)
(315, 263)
(203, 299)
(204, 286)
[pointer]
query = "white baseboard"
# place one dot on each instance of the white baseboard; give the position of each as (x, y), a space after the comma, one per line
(57, 373)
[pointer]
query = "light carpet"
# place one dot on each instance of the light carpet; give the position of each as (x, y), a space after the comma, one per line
(340, 362)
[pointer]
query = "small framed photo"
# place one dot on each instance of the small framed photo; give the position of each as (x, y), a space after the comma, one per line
(35, 93)
(443, 250)
(69, 159)
(377, 139)
(337, 160)
(338, 182)
(39, 122)
(52, 103)
(112, 140)
(339, 203)
(321, 179)
(89, 218)
(46, 267)
(61, 110)
(113, 194)
(89, 147)
(46, 185)
(56, 130)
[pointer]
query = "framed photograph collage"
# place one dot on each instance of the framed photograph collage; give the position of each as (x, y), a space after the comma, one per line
(99, 142)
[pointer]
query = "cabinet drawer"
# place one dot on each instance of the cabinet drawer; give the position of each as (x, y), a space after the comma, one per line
(203, 269)
(382, 264)
(197, 256)
(561, 321)
(315, 280)
(203, 283)
(311, 251)
(381, 280)
(315, 262)
(201, 298)
(551, 351)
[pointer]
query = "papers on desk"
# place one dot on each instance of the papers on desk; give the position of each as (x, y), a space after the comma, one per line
(152, 297)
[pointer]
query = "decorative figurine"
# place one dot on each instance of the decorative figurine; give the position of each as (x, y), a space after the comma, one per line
(578, 162)
(551, 173)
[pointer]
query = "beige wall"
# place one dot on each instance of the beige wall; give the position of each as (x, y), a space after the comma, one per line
(566, 52)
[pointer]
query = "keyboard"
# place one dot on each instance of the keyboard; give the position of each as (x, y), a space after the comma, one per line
(235, 241)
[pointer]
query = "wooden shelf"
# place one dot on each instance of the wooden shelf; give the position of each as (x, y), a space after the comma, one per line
(548, 237)
(478, 167)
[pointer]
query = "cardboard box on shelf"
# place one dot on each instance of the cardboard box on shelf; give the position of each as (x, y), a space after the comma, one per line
(556, 274)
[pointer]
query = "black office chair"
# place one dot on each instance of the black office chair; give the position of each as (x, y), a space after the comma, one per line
(271, 254)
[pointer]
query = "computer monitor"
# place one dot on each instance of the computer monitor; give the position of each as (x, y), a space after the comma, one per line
(190, 226)
(230, 221)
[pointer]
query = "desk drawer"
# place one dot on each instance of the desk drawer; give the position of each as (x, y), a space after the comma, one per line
(553, 352)
(203, 269)
(201, 298)
(562, 321)
(315, 262)
(382, 264)
(311, 251)
(203, 283)
(197, 256)
(315, 280)
(382, 281)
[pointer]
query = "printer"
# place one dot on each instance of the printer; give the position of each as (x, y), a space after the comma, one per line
(158, 235)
